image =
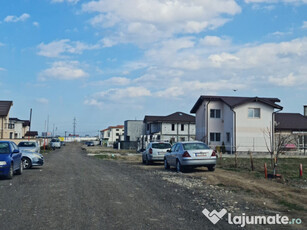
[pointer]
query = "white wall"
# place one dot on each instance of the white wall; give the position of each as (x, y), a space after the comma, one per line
(250, 131)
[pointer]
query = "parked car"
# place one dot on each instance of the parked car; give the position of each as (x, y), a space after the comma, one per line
(55, 143)
(89, 143)
(155, 151)
(10, 159)
(30, 146)
(30, 159)
(190, 154)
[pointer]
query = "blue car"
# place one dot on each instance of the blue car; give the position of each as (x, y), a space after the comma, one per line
(10, 159)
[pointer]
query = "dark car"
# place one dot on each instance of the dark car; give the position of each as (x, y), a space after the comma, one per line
(10, 159)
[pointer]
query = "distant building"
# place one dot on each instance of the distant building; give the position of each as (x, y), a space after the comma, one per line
(133, 129)
(112, 134)
(294, 124)
(172, 128)
(5, 107)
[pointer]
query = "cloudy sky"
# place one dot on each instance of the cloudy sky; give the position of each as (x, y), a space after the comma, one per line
(107, 61)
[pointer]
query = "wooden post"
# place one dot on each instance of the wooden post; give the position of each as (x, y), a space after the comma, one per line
(301, 171)
(252, 161)
(265, 171)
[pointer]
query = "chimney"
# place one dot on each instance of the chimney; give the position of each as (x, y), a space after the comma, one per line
(305, 110)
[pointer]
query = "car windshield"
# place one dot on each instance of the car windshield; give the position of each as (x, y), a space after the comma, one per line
(195, 146)
(55, 140)
(4, 148)
(26, 144)
(161, 146)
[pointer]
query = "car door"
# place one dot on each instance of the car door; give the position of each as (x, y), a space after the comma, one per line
(172, 155)
(16, 156)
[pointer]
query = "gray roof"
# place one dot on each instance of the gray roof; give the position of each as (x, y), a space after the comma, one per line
(178, 117)
(233, 102)
(5, 107)
(290, 122)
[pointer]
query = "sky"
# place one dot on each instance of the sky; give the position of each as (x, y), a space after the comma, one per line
(107, 61)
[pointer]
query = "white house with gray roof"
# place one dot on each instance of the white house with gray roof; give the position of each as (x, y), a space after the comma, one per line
(241, 123)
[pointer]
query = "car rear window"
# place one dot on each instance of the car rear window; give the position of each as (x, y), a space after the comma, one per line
(192, 146)
(26, 144)
(4, 148)
(161, 146)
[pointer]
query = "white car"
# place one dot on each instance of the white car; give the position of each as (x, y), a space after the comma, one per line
(55, 143)
(155, 151)
(190, 154)
(29, 146)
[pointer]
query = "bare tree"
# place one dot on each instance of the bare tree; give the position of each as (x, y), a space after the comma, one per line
(278, 145)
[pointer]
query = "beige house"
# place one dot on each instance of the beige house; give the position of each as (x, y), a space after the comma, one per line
(5, 107)
(18, 128)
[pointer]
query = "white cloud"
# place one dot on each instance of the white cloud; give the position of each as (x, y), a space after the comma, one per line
(21, 18)
(69, 1)
(304, 26)
(42, 100)
(2, 69)
(151, 20)
(214, 41)
(290, 80)
(276, 1)
(69, 70)
(58, 48)
(2, 44)
(36, 24)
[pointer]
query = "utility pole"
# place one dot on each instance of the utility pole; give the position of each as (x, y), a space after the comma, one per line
(75, 123)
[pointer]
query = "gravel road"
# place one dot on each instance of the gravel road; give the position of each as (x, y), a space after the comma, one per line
(75, 191)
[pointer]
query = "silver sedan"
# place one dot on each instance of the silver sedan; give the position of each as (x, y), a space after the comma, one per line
(190, 154)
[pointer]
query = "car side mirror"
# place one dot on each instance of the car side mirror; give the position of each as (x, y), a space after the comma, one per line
(15, 151)
(169, 151)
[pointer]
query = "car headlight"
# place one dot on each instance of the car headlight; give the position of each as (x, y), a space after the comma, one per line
(37, 156)
(3, 163)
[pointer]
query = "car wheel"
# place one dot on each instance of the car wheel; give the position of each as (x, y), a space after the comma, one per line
(19, 171)
(166, 165)
(179, 167)
(211, 168)
(27, 164)
(143, 160)
(11, 172)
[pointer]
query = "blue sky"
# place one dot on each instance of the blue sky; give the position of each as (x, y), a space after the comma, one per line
(107, 61)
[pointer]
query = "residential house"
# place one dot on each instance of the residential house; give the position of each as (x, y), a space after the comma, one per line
(295, 125)
(133, 129)
(112, 134)
(172, 128)
(5, 107)
(18, 128)
(241, 123)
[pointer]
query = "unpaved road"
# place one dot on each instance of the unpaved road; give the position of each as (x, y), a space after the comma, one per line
(74, 191)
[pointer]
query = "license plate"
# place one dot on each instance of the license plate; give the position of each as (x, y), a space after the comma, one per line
(200, 154)
(161, 153)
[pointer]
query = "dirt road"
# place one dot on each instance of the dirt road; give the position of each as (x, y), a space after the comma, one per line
(75, 191)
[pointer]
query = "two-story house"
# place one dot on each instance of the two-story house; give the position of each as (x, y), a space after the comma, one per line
(172, 128)
(112, 134)
(5, 107)
(18, 128)
(241, 123)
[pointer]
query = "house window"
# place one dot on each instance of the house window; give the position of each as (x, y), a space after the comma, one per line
(254, 112)
(228, 137)
(215, 113)
(11, 126)
(216, 137)
(182, 139)
(173, 127)
(182, 127)
(148, 126)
